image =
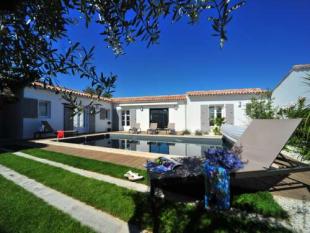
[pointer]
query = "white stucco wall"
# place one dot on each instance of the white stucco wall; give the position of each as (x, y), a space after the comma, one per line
(291, 88)
(194, 109)
(187, 115)
(56, 120)
(143, 117)
(176, 114)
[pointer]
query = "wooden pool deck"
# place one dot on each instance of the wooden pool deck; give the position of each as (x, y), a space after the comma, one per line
(130, 161)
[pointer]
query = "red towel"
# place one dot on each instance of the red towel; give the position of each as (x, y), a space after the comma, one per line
(60, 134)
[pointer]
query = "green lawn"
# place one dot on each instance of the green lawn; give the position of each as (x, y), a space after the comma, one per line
(106, 168)
(20, 211)
(260, 202)
(135, 207)
(111, 198)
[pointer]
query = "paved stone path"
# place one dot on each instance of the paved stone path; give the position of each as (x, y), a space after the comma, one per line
(298, 211)
(87, 215)
(94, 175)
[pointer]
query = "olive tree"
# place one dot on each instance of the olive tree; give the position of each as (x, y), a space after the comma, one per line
(30, 29)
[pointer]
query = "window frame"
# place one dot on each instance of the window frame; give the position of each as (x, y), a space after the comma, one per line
(215, 113)
(125, 118)
(49, 109)
(79, 120)
(104, 114)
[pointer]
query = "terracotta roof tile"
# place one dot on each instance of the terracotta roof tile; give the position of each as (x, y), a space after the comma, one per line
(62, 89)
(144, 99)
(243, 91)
(163, 98)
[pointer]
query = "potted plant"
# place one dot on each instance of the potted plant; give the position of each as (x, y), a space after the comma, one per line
(218, 122)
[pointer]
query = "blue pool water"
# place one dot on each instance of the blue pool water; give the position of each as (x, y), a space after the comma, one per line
(154, 144)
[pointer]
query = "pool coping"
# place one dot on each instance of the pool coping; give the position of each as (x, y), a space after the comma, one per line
(54, 142)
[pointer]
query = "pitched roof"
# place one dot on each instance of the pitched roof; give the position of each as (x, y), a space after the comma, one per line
(244, 91)
(153, 99)
(67, 90)
(143, 99)
(301, 67)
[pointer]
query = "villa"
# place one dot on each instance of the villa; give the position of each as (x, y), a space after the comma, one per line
(154, 116)
(192, 111)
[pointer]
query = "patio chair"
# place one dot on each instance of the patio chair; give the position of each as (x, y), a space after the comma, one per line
(170, 128)
(153, 129)
(46, 129)
(261, 145)
(135, 128)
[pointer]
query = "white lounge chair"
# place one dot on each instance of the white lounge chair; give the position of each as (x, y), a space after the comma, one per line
(170, 128)
(153, 128)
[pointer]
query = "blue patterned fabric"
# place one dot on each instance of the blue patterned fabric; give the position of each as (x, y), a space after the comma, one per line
(217, 194)
(219, 163)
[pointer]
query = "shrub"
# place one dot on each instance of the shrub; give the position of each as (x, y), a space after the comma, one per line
(216, 130)
(219, 121)
(186, 132)
(301, 137)
(261, 108)
(198, 132)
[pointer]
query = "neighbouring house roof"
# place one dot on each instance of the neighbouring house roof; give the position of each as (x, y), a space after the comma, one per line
(297, 68)
(301, 67)
(67, 90)
(244, 91)
(144, 99)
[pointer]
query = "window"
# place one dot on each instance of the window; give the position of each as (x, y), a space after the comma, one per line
(79, 120)
(104, 114)
(125, 118)
(214, 112)
(44, 109)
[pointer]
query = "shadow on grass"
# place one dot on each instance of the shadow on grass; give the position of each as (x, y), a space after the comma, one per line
(20, 145)
(174, 217)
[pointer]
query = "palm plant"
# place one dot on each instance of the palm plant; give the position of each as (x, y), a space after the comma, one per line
(301, 137)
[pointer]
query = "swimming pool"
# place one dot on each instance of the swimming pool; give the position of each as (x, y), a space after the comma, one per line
(173, 145)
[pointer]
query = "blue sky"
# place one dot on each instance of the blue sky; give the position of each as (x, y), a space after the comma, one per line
(266, 37)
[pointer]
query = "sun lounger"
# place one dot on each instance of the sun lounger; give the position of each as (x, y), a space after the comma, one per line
(261, 144)
(170, 129)
(48, 130)
(153, 128)
(135, 128)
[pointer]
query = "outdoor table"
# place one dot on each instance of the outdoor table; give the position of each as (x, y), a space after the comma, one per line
(186, 179)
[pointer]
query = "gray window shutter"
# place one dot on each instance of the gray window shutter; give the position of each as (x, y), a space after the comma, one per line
(229, 119)
(115, 119)
(108, 114)
(132, 117)
(29, 108)
(204, 118)
(102, 114)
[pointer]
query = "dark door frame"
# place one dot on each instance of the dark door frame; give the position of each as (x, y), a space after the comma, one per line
(64, 120)
(151, 109)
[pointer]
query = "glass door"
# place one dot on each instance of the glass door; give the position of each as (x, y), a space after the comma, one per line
(159, 116)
